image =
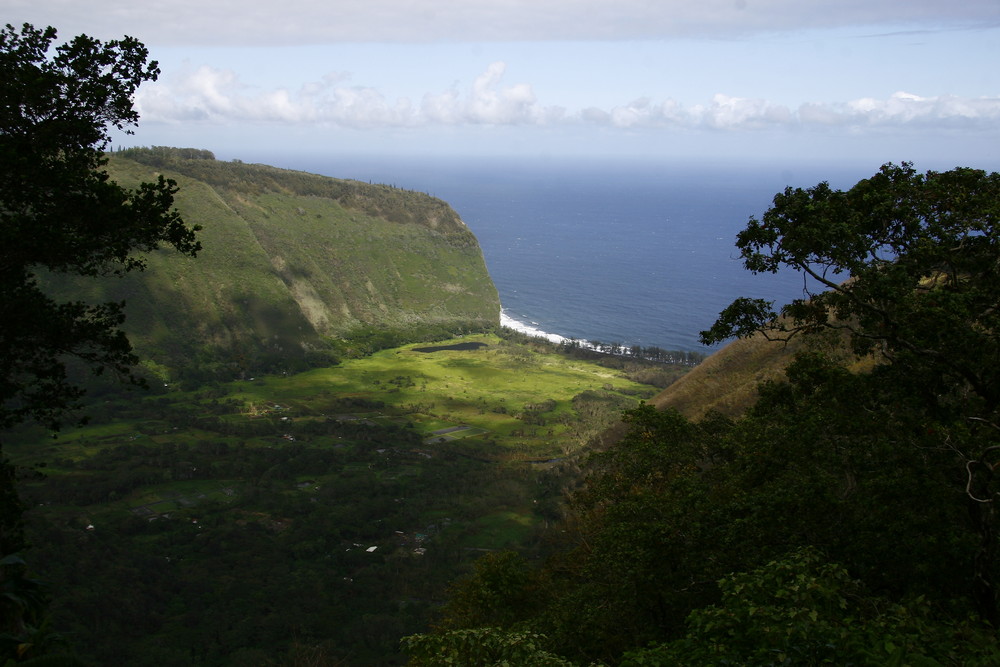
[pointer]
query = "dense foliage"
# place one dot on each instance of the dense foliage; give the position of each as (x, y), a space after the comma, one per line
(241, 550)
(59, 211)
(855, 509)
(917, 258)
(803, 610)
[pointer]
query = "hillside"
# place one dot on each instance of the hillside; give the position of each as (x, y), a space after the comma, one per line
(291, 264)
(727, 381)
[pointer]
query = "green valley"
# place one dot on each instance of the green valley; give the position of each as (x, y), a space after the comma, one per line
(324, 511)
(343, 460)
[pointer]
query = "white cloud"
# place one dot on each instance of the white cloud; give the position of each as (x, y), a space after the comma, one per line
(297, 22)
(488, 103)
(900, 111)
(908, 110)
(727, 112)
(214, 95)
(210, 94)
(206, 94)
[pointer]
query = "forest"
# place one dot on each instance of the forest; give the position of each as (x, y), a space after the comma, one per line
(232, 551)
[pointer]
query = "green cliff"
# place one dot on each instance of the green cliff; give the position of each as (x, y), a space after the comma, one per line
(293, 266)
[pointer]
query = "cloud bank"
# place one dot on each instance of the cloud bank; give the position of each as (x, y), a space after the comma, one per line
(210, 95)
(900, 110)
(213, 95)
(308, 22)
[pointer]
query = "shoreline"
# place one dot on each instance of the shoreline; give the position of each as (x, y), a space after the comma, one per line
(672, 356)
(517, 325)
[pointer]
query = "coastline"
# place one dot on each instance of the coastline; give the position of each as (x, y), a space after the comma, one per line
(624, 254)
(657, 354)
(509, 322)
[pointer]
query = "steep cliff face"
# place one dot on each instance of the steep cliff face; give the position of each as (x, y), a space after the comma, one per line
(293, 261)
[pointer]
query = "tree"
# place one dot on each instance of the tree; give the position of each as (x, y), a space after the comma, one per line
(501, 589)
(481, 647)
(907, 267)
(60, 212)
(803, 610)
(905, 264)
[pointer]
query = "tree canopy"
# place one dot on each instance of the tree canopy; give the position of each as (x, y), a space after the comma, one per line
(859, 506)
(905, 263)
(60, 212)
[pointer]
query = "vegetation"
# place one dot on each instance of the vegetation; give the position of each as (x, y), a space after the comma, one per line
(845, 518)
(374, 200)
(60, 212)
(431, 454)
(293, 275)
(480, 647)
(805, 610)
(921, 253)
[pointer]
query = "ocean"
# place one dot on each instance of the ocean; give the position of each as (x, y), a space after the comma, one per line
(637, 253)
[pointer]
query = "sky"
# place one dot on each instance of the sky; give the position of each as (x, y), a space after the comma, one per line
(847, 81)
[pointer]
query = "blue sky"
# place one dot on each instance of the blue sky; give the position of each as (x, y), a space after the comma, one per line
(795, 80)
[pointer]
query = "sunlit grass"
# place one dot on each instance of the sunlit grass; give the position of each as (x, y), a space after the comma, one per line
(486, 388)
(476, 402)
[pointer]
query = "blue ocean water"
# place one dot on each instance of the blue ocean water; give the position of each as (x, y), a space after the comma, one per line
(601, 250)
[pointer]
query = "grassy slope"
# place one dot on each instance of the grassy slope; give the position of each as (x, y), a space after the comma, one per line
(291, 258)
(727, 381)
(486, 389)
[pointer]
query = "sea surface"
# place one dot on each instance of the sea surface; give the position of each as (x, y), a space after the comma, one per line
(638, 253)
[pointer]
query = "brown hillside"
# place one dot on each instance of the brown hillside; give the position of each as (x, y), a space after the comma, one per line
(727, 381)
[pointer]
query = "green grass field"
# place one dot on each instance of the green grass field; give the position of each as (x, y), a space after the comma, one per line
(480, 397)
(486, 389)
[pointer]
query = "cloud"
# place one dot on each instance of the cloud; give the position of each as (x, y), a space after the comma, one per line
(209, 95)
(899, 111)
(488, 103)
(722, 113)
(303, 22)
(213, 95)
(906, 110)
(735, 112)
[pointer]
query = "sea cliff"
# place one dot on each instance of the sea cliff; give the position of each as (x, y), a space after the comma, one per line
(294, 266)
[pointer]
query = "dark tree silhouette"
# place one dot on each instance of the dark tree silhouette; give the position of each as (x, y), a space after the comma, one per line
(60, 212)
